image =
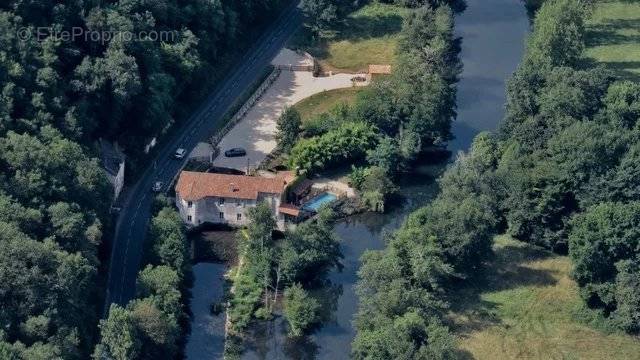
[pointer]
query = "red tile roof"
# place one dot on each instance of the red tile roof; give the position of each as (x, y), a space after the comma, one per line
(196, 185)
(287, 176)
(379, 69)
(289, 209)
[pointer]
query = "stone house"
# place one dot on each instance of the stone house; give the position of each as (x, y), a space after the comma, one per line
(225, 199)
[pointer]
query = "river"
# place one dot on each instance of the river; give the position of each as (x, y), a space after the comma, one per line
(493, 33)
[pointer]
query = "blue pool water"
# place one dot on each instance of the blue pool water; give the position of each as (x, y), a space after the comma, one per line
(318, 201)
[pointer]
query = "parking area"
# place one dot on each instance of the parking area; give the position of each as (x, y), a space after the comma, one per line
(256, 132)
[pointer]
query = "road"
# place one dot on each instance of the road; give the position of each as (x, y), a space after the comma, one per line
(133, 220)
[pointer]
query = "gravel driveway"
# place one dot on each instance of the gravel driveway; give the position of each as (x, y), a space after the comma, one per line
(256, 132)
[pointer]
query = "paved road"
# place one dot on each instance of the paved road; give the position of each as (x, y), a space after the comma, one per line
(134, 218)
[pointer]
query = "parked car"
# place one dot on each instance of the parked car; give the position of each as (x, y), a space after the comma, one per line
(235, 152)
(157, 186)
(180, 153)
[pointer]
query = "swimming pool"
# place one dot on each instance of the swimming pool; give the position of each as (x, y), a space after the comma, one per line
(315, 203)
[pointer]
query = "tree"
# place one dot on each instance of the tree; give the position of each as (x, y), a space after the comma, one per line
(558, 38)
(118, 337)
(376, 188)
(627, 294)
(162, 284)
(169, 241)
(320, 14)
(409, 336)
(261, 225)
(288, 126)
(603, 236)
(386, 156)
(622, 103)
(399, 290)
(158, 331)
(310, 251)
(34, 275)
(300, 309)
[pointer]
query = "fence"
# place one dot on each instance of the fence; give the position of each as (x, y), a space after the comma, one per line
(215, 139)
(309, 68)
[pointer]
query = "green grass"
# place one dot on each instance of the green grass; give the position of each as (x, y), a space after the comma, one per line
(613, 37)
(368, 36)
(325, 101)
(526, 307)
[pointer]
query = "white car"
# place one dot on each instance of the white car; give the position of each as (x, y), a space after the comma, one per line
(180, 153)
(157, 186)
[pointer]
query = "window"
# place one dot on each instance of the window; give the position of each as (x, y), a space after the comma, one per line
(238, 202)
(221, 202)
(221, 215)
(189, 204)
(189, 218)
(239, 217)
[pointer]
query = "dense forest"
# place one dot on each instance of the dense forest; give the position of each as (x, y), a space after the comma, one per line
(59, 95)
(153, 324)
(561, 172)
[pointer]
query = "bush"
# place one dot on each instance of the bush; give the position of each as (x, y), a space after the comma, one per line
(348, 143)
(376, 188)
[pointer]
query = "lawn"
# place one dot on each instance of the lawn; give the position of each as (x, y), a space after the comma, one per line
(368, 36)
(325, 101)
(524, 308)
(613, 37)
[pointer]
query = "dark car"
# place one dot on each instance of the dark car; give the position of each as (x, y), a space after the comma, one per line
(235, 152)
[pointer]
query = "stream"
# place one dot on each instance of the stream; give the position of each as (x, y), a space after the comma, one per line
(493, 33)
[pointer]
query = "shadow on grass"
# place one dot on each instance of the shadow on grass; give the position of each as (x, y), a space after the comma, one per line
(355, 28)
(608, 33)
(611, 33)
(367, 27)
(626, 70)
(507, 270)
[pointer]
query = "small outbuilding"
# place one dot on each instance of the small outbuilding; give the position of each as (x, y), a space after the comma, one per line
(378, 70)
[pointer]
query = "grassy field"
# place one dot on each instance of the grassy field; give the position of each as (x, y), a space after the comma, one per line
(613, 37)
(524, 309)
(368, 36)
(325, 101)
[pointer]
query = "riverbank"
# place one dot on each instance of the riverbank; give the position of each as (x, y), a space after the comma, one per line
(357, 233)
(480, 107)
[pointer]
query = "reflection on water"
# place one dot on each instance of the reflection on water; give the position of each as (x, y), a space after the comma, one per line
(357, 233)
(206, 340)
(493, 33)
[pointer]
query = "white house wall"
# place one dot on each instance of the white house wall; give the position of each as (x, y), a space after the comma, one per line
(207, 210)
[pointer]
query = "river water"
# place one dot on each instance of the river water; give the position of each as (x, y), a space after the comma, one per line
(206, 340)
(493, 33)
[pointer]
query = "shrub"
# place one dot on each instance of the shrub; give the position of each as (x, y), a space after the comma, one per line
(348, 143)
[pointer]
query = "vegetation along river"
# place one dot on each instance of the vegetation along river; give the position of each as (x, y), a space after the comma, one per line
(493, 34)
